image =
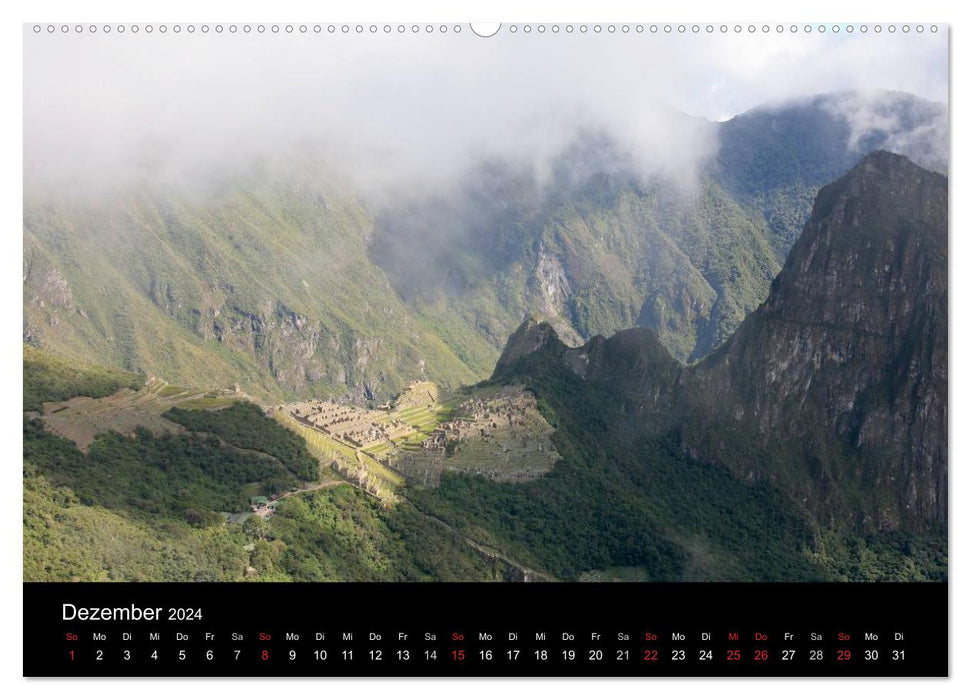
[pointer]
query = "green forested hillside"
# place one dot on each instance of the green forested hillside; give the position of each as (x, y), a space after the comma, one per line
(290, 286)
(625, 504)
(267, 286)
(597, 245)
(620, 500)
(338, 534)
(285, 282)
(773, 160)
(148, 507)
(244, 425)
(592, 259)
(66, 539)
(618, 505)
(799, 449)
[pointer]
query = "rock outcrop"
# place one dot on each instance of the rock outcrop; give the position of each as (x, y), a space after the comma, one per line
(835, 388)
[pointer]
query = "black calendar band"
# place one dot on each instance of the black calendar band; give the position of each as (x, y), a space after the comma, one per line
(476, 630)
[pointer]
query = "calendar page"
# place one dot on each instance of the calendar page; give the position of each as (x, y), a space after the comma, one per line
(450, 349)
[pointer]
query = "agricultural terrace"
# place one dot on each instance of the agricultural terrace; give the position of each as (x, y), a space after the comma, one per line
(82, 418)
(494, 432)
(362, 444)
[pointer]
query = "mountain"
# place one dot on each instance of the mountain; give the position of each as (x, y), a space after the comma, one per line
(265, 284)
(774, 159)
(293, 285)
(835, 388)
(161, 490)
(811, 445)
(847, 360)
(594, 247)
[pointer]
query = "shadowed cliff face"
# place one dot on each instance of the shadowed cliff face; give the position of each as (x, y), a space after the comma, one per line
(850, 349)
(836, 387)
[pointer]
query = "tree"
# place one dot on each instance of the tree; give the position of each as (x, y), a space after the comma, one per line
(256, 528)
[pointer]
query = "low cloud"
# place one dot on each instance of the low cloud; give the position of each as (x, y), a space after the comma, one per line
(891, 121)
(386, 113)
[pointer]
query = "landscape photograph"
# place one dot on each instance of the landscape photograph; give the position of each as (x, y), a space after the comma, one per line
(598, 303)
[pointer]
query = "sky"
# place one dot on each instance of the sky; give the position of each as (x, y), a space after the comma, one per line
(393, 108)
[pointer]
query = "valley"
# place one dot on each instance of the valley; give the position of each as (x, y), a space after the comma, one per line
(586, 376)
(292, 286)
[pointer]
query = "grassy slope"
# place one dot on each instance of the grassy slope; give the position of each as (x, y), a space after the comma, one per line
(278, 288)
(277, 275)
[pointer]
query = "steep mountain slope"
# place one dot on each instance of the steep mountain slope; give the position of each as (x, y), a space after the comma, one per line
(773, 159)
(292, 286)
(810, 445)
(146, 506)
(596, 245)
(835, 389)
(847, 359)
(592, 251)
(265, 286)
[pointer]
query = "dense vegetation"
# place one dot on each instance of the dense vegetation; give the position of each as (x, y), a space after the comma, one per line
(619, 500)
(147, 507)
(341, 534)
(774, 160)
(182, 476)
(593, 255)
(50, 378)
(245, 425)
(337, 534)
(888, 556)
(341, 308)
(67, 540)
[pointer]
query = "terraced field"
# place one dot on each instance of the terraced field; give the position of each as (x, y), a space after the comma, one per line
(352, 464)
(491, 432)
(497, 434)
(82, 418)
(422, 418)
(364, 445)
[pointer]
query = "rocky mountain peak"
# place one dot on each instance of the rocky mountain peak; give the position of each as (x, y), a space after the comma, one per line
(532, 336)
(839, 378)
(849, 352)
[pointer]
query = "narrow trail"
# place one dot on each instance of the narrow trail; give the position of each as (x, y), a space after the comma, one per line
(474, 544)
(223, 442)
(241, 516)
(315, 487)
(483, 549)
(362, 456)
